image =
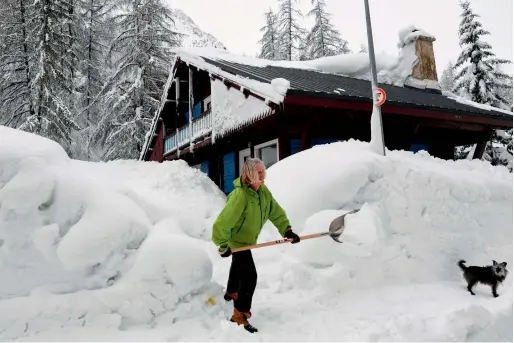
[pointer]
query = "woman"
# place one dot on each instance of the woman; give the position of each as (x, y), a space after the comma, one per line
(239, 224)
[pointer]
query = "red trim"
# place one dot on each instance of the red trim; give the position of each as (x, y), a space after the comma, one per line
(410, 111)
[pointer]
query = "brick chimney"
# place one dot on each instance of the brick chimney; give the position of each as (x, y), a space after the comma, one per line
(424, 71)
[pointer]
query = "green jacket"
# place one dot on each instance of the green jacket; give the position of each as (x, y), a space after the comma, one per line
(241, 220)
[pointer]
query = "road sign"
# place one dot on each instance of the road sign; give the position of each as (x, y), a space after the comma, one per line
(380, 96)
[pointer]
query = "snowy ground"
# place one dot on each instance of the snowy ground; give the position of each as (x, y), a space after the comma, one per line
(121, 251)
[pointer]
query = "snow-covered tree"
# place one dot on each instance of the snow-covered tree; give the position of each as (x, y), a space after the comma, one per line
(323, 39)
(140, 61)
(499, 150)
(448, 77)
(478, 78)
(291, 34)
(481, 80)
(363, 49)
(15, 95)
(269, 41)
(50, 71)
(91, 71)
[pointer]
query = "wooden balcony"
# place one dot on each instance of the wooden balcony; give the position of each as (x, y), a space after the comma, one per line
(201, 127)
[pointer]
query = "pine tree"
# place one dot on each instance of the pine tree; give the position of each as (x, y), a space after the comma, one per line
(481, 80)
(269, 41)
(448, 78)
(15, 95)
(323, 39)
(291, 34)
(91, 72)
(141, 63)
(478, 80)
(50, 76)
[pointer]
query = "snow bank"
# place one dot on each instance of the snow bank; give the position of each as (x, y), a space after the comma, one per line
(75, 267)
(419, 215)
(98, 244)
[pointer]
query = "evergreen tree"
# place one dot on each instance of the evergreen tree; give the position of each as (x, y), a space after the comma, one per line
(323, 39)
(480, 78)
(269, 41)
(291, 34)
(448, 78)
(91, 72)
(15, 94)
(140, 61)
(50, 76)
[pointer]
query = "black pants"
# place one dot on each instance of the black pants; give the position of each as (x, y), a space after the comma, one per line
(242, 279)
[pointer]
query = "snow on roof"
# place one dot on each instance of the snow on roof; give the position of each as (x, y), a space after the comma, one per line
(390, 69)
(465, 101)
(231, 109)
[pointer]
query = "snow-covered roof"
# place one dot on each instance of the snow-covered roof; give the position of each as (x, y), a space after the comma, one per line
(390, 69)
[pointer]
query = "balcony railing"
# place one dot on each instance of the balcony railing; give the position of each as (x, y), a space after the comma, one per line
(201, 126)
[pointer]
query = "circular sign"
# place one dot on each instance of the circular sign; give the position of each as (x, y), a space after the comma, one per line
(380, 96)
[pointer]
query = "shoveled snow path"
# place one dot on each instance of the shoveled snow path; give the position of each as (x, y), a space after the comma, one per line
(417, 312)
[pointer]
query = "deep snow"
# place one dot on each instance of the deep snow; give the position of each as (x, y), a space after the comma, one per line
(122, 251)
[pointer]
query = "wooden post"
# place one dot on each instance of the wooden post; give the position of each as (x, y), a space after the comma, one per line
(191, 99)
(250, 146)
(282, 147)
(480, 148)
(177, 98)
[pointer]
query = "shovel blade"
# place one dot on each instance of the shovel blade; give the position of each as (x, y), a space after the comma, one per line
(336, 227)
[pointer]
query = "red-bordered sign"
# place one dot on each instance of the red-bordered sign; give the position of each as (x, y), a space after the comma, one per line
(380, 96)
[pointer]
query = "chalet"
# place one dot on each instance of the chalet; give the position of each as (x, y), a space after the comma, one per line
(217, 109)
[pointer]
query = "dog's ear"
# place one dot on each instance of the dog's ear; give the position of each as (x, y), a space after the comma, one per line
(504, 264)
(494, 263)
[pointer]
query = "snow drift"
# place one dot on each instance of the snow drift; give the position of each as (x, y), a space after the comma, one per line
(122, 251)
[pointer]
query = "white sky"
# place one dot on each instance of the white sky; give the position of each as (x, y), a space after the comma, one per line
(236, 23)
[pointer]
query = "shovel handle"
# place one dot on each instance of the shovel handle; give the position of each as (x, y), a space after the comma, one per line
(280, 241)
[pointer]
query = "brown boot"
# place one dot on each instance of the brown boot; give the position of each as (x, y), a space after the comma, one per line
(241, 318)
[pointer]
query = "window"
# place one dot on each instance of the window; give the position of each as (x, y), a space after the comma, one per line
(267, 152)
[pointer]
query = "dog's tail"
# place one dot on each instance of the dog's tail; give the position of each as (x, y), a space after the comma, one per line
(462, 266)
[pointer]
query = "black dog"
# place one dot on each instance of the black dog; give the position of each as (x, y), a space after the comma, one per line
(488, 275)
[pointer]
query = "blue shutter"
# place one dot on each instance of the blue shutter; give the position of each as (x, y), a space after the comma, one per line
(204, 167)
(229, 172)
(197, 110)
(295, 146)
(417, 147)
(319, 141)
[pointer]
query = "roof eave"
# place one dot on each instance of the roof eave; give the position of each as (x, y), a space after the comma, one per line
(295, 96)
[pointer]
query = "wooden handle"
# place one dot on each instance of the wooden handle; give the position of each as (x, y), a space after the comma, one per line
(281, 241)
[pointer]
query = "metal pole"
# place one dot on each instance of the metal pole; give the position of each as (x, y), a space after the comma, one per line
(374, 82)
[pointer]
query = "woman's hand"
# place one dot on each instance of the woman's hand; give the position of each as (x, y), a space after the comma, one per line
(225, 251)
(291, 235)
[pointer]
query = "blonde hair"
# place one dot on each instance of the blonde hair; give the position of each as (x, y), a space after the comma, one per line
(249, 173)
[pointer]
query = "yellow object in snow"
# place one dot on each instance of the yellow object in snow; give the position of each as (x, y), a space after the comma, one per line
(211, 301)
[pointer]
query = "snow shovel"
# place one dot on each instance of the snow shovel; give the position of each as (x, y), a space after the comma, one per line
(335, 230)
